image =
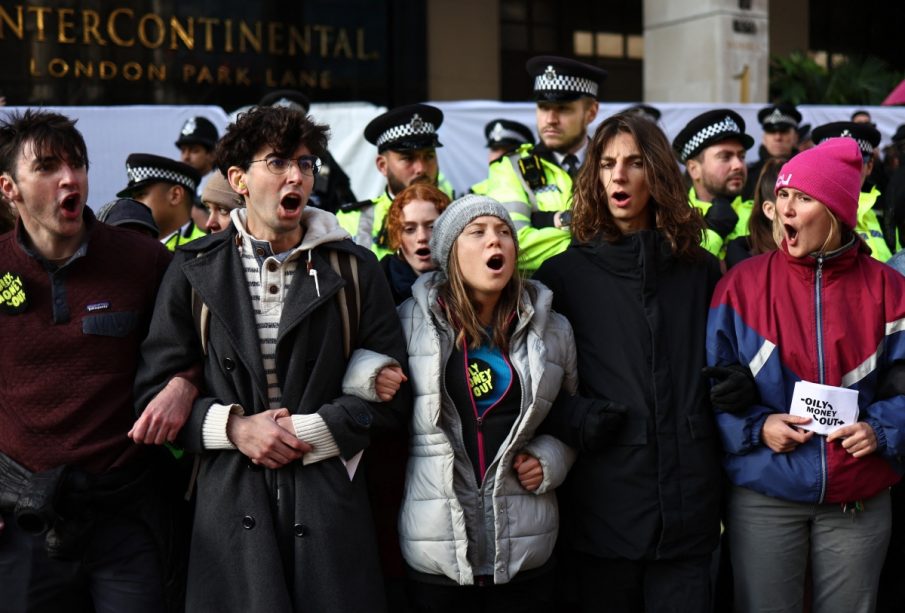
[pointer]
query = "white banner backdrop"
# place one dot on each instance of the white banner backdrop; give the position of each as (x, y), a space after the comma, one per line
(112, 133)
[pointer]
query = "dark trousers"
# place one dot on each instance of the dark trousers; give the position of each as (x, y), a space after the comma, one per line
(528, 596)
(891, 595)
(646, 586)
(119, 571)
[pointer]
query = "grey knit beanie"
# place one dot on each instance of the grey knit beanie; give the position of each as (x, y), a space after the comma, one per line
(453, 220)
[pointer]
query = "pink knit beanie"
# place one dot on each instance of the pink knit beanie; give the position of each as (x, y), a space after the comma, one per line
(830, 173)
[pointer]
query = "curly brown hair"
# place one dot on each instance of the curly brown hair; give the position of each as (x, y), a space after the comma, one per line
(416, 191)
(679, 223)
(282, 128)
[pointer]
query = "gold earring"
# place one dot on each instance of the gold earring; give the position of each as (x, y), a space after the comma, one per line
(241, 184)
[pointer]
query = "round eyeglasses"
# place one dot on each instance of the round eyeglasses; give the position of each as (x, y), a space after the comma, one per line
(308, 164)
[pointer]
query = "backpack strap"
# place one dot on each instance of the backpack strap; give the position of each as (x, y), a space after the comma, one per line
(349, 298)
(347, 268)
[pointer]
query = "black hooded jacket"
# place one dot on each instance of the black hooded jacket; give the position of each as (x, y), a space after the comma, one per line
(640, 316)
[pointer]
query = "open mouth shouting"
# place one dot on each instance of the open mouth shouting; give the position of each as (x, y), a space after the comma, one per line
(791, 233)
(71, 205)
(496, 262)
(620, 198)
(291, 202)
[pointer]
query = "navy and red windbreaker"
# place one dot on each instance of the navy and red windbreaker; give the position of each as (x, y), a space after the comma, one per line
(837, 320)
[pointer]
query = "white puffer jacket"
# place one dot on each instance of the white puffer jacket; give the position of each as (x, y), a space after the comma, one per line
(432, 525)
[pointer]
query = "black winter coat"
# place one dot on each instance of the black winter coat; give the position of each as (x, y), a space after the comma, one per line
(300, 538)
(640, 317)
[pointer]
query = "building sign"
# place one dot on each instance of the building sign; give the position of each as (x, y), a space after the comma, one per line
(224, 52)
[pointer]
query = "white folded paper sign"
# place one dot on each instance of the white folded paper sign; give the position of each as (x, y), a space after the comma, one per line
(828, 407)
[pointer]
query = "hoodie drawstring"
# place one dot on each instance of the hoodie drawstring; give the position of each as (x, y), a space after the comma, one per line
(312, 272)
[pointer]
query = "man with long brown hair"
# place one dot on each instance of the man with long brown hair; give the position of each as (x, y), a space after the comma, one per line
(641, 505)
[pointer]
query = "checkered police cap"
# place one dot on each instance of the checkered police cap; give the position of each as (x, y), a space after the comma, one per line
(506, 132)
(551, 81)
(867, 136)
(413, 126)
(198, 131)
(145, 169)
(557, 78)
(709, 128)
(779, 116)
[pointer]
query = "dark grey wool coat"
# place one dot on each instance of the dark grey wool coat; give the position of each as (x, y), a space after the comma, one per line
(300, 538)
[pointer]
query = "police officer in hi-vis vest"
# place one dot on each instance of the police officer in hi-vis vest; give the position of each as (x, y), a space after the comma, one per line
(712, 146)
(406, 141)
(870, 202)
(503, 137)
(535, 181)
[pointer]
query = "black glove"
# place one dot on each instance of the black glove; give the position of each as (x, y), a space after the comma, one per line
(892, 383)
(721, 217)
(735, 389)
(602, 421)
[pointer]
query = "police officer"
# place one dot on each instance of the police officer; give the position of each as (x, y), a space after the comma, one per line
(779, 123)
(168, 188)
(503, 137)
(712, 146)
(406, 141)
(895, 193)
(535, 181)
(332, 186)
(128, 213)
(870, 202)
(651, 113)
(196, 143)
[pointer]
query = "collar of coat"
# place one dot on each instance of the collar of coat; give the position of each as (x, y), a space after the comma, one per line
(633, 256)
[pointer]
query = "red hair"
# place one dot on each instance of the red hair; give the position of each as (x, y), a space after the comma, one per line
(416, 191)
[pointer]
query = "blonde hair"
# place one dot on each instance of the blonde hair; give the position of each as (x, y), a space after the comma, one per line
(835, 229)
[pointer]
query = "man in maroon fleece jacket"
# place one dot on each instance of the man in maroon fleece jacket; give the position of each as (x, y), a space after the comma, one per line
(78, 514)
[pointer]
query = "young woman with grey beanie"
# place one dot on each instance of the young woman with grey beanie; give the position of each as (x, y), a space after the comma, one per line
(487, 356)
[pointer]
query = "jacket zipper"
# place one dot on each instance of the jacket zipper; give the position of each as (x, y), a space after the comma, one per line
(821, 377)
(479, 419)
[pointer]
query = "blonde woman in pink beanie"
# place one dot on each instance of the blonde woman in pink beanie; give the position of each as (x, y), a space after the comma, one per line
(820, 325)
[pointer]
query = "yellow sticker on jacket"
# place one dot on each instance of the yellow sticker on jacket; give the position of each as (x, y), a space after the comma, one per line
(12, 293)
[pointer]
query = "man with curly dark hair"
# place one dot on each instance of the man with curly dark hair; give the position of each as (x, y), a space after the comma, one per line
(282, 521)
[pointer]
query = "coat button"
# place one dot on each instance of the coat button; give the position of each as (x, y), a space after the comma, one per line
(363, 419)
(273, 289)
(272, 266)
(228, 364)
(300, 530)
(248, 522)
(259, 251)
